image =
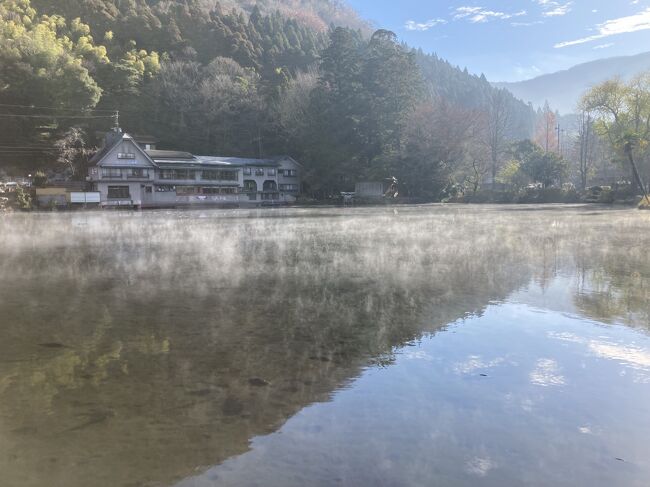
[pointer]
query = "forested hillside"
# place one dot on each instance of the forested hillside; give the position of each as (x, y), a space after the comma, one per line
(461, 88)
(250, 79)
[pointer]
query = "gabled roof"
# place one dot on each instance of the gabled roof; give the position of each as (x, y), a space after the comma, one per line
(106, 148)
(118, 138)
(171, 158)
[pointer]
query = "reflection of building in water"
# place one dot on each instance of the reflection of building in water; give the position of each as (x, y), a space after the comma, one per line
(129, 171)
(154, 345)
(139, 365)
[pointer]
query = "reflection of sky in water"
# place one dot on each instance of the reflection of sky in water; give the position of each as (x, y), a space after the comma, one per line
(440, 345)
(514, 397)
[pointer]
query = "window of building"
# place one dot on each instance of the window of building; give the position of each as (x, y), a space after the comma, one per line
(138, 173)
(270, 196)
(259, 172)
(165, 188)
(289, 173)
(112, 172)
(250, 186)
(118, 193)
(216, 175)
(125, 155)
(289, 187)
(248, 171)
(215, 190)
(270, 172)
(176, 174)
(270, 186)
(186, 190)
(209, 175)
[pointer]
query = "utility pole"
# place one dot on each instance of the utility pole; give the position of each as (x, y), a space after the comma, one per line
(117, 120)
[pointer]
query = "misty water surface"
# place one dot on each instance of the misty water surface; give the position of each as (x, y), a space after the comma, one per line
(416, 346)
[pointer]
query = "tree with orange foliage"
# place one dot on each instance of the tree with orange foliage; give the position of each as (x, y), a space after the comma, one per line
(546, 130)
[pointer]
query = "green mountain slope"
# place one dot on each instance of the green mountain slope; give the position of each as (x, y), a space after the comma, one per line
(241, 79)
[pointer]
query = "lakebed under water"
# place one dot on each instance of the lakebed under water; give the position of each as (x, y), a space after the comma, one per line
(410, 346)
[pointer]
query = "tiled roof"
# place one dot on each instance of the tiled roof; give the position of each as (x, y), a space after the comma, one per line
(145, 139)
(169, 154)
(237, 161)
(177, 158)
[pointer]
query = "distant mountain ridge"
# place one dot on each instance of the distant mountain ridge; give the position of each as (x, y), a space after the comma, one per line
(564, 89)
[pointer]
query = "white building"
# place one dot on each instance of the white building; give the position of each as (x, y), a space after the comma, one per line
(128, 172)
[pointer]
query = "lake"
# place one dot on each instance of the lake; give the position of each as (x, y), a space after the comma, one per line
(393, 346)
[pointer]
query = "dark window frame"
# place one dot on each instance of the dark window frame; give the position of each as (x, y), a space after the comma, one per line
(118, 193)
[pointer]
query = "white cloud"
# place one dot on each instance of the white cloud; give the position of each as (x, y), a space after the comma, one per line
(479, 467)
(423, 26)
(476, 362)
(478, 15)
(558, 10)
(552, 8)
(604, 46)
(547, 373)
(527, 24)
(622, 25)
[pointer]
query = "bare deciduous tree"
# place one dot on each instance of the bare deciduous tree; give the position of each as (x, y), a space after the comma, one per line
(498, 125)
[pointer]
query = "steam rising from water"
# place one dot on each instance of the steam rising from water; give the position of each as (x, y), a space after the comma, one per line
(194, 331)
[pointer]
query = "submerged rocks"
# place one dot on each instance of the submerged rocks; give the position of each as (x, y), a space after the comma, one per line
(52, 345)
(232, 407)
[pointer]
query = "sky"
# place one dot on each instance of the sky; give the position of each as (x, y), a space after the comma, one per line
(517, 39)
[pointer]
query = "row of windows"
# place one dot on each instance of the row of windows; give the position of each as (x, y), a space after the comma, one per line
(189, 174)
(289, 187)
(249, 171)
(287, 173)
(169, 174)
(177, 174)
(216, 175)
(192, 190)
(207, 175)
(123, 193)
(117, 173)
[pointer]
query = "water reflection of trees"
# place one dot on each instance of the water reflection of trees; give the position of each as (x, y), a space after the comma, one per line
(136, 348)
(613, 281)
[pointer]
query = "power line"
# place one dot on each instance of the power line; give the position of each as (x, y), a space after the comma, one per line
(32, 151)
(26, 147)
(6, 115)
(32, 107)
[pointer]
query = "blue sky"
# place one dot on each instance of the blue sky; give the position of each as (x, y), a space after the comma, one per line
(516, 39)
